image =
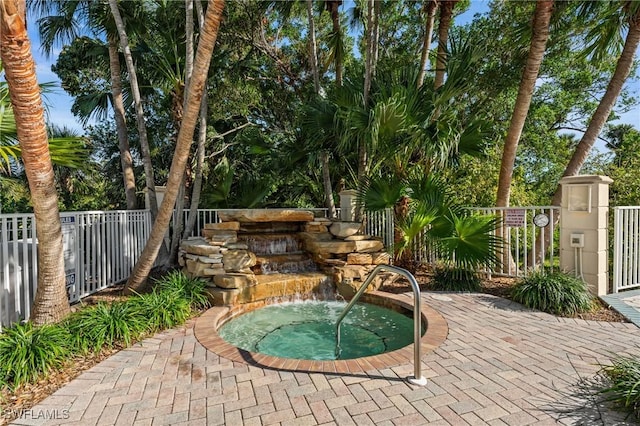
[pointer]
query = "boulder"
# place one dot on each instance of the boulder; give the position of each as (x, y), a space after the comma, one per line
(236, 260)
(266, 215)
(195, 268)
(368, 246)
(214, 258)
(380, 258)
(315, 229)
(210, 272)
(335, 246)
(223, 296)
(236, 246)
(220, 237)
(223, 226)
(309, 236)
(357, 237)
(234, 280)
(345, 229)
(198, 246)
(359, 259)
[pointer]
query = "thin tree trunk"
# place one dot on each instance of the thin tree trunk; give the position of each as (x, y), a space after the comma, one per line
(334, 10)
(432, 7)
(140, 119)
(368, 77)
(540, 26)
(126, 160)
(51, 303)
(204, 52)
(202, 139)
(326, 181)
(446, 16)
(313, 47)
(601, 114)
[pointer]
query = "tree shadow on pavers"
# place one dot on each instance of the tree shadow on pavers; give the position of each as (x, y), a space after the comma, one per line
(583, 404)
(501, 303)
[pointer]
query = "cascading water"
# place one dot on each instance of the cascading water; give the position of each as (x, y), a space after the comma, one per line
(278, 253)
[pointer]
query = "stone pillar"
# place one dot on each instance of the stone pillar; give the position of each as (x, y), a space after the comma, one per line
(584, 222)
(160, 190)
(348, 205)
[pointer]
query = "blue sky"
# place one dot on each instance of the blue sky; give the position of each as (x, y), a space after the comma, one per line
(59, 104)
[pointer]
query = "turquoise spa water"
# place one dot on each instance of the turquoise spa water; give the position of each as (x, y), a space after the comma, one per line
(306, 330)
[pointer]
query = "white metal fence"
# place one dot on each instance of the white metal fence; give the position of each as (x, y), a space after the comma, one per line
(100, 249)
(626, 248)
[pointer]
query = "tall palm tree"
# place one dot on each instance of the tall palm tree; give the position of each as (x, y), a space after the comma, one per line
(197, 84)
(51, 303)
(430, 8)
(540, 27)
(337, 47)
(137, 99)
(59, 24)
(444, 23)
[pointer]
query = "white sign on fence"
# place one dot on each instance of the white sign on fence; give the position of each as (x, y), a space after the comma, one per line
(69, 243)
(515, 218)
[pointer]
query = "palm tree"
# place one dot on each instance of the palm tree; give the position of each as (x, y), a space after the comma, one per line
(140, 116)
(197, 84)
(51, 303)
(430, 8)
(336, 54)
(446, 16)
(540, 27)
(59, 25)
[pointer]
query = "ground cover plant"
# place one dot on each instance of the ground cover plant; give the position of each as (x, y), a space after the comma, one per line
(455, 279)
(554, 292)
(621, 384)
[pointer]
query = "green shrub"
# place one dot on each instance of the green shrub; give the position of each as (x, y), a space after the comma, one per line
(106, 325)
(623, 384)
(557, 293)
(191, 289)
(455, 279)
(27, 352)
(162, 309)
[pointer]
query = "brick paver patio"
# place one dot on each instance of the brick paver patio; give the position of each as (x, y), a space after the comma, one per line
(500, 365)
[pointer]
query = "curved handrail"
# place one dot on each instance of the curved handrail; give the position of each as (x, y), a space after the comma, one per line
(417, 379)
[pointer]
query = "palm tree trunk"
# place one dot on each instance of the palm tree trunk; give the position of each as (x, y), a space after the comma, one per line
(540, 26)
(313, 47)
(601, 114)
(334, 7)
(446, 16)
(326, 181)
(202, 139)
(126, 160)
(432, 6)
(140, 120)
(51, 303)
(204, 52)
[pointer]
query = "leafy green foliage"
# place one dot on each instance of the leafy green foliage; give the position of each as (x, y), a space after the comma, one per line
(162, 309)
(623, 384)
(447, 278)
(557, 293)
(191, 289)
(27, 352)
(118, 323)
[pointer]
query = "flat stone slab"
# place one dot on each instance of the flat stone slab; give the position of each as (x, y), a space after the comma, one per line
(266, 215)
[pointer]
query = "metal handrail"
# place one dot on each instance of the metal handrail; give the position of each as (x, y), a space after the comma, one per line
(417, 378)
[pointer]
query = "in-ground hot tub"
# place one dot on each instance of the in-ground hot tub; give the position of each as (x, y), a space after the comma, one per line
(383, 350)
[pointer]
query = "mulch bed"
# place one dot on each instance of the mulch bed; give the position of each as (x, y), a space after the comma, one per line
(27, 396)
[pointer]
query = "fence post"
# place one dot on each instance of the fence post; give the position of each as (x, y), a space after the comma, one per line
(584, 224)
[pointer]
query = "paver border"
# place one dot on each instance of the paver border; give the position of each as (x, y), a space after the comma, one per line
(437, 329)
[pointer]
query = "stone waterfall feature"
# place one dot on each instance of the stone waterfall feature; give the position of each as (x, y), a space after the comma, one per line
(254, 255)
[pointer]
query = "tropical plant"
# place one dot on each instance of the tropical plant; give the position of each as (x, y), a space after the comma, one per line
(447, 278)
(621, 385)
(51, 303)
(162, 308)
(556, 293)
(28, 352)
(193, 290)
(106, 324)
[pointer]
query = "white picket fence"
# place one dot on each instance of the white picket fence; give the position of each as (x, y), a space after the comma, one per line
(100, 249)
(626, 248)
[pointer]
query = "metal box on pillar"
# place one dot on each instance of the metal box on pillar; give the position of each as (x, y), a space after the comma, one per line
(584, 222)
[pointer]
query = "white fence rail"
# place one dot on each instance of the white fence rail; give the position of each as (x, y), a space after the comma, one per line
(626, 248)
(100, 249)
